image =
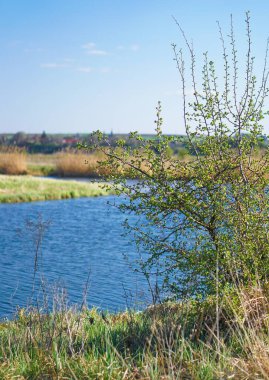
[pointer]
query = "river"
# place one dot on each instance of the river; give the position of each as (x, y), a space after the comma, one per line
(81, 239)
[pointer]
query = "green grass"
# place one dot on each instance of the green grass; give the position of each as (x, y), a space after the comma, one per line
(15, 189)
(41, 170)
(171, 341)
(86, 345)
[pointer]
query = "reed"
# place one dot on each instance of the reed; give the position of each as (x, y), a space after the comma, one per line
(78, 164)
(12, 161)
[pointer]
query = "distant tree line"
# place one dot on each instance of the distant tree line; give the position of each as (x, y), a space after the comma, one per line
(52, 143)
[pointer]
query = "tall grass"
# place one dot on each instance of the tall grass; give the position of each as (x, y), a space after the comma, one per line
(77, 164)
(12, 161)
(169, 341)
(69, 163)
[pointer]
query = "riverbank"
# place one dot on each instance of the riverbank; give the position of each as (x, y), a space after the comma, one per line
(76, 164)
(14, 189)
(169, 341)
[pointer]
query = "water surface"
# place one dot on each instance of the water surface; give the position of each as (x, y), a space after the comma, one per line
(84, 236)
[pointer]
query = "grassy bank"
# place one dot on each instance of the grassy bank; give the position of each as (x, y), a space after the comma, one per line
(15, 189)
(171, 341)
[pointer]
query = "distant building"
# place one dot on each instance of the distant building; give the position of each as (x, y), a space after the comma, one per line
(70, 141)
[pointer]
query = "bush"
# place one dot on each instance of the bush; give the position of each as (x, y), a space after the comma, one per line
(204, 222)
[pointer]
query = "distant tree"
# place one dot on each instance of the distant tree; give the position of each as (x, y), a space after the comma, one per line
(19, 138)
(3, 140)
(43, 137)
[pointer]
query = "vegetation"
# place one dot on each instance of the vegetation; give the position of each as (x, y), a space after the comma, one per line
(79, 164)
(66, 163)
(204, 221)
(169, 341)
(39, 143)
(41, 164)
(13, 162)
(15, 189)
(70, 163)
(52, 143)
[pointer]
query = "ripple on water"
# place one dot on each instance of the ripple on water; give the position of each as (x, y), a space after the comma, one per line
(84, 235)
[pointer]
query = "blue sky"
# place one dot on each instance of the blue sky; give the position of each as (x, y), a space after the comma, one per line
(81, 65)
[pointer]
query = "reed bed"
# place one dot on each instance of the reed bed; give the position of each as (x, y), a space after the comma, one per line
(13, 161)
(69, 163)
(79, 164)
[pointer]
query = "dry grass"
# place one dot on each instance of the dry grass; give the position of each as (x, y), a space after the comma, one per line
(71, 163)
(13, 161)
(77, 164)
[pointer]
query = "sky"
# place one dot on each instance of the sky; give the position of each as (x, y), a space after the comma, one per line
(75, 66)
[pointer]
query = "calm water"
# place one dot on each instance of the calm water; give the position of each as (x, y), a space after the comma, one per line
(84, 236)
